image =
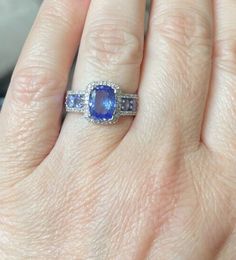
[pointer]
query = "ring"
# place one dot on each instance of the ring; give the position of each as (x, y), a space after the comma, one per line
(102, 102)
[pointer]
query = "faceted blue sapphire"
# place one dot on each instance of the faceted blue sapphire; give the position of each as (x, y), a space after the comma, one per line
(102, 103)
(70, 102)
(75, 101)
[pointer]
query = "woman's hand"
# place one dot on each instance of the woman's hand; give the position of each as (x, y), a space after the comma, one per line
(161, 186)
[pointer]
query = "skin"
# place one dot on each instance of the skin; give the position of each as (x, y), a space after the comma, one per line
(160, 186)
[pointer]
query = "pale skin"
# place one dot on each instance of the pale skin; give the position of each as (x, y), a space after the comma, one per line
(160, 186)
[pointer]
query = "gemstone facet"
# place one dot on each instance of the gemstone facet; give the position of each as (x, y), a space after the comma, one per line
(102, 103)
(75, 101)
(128, 104)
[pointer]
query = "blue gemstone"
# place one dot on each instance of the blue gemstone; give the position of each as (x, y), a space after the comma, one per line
(128, 104)
(70, 101)
(75, 101)
(134, 105)
(79, 101)
(102, 103)
(125, 104)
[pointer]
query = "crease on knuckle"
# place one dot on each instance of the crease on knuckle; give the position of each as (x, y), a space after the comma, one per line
(225, 54)
(182, 27)
(32, 84)
(59, 13)
(109, 44)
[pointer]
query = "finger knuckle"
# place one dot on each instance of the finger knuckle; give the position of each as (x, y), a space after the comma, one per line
(59, 13)
(184, 27)
(33, 83)
(109, 44)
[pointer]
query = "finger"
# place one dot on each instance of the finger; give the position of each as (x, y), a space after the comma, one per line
(220, 126)
(32, 110)
(177, 68)
(111, 49)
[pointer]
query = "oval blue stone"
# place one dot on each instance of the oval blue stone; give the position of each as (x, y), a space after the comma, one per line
(102, 103)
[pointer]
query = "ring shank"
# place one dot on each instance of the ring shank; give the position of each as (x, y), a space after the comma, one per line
(127, 104)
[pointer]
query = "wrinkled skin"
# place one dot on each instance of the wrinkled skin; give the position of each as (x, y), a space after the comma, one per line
(161, 186)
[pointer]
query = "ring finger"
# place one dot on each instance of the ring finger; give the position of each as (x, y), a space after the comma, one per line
(111, 49)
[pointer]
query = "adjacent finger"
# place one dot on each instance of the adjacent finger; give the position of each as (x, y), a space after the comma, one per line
(177, 69)
(220, 124)
(31, 115)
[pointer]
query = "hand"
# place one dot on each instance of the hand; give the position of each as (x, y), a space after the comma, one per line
(161, 186)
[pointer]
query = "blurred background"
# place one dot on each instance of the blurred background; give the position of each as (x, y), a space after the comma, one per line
(16, 18)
